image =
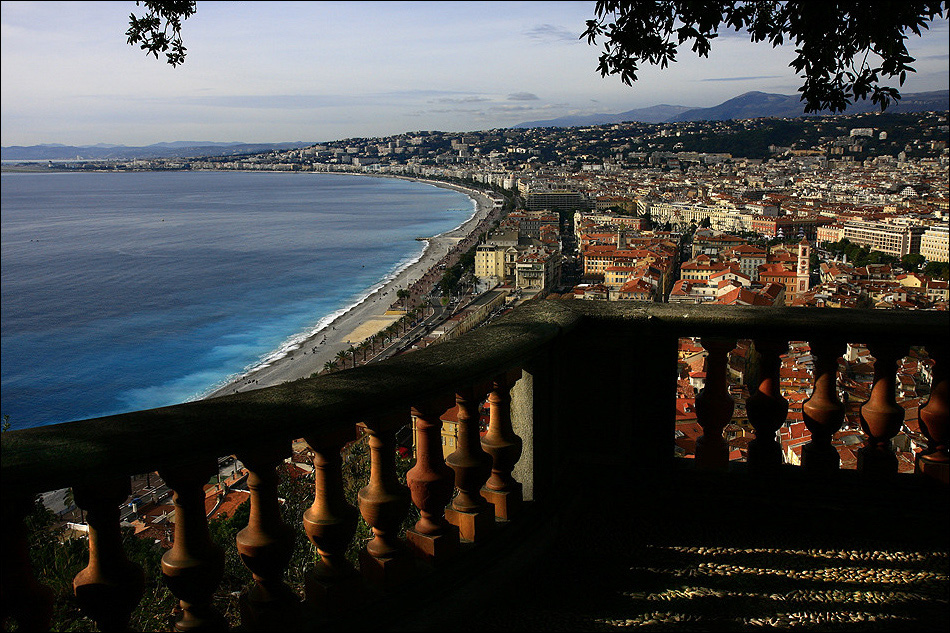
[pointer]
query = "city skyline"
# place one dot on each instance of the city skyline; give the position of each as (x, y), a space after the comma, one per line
(289, 71)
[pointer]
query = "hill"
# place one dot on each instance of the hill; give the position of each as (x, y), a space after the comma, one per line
(751, 105)
(653, 114)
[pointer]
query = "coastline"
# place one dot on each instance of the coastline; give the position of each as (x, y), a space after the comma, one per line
(365, 318)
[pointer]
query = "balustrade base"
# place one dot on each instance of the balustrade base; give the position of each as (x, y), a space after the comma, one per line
(333, 595)
(939, 470)
(194, 620)
(820, 458)
(276, 609)
(507, 502)
(712, 454)
(877, 463)
(384, 572)
(472, 526)
(765, 454)
(434, 548)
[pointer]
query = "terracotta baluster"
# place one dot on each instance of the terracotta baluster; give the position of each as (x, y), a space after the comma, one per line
(881, 416)
(384, 504)
(431, 484)
(470, 512)
(25, 599)
(935, 419)
(501, 489)
(823, 412)
(193, 567)
(266, 545)
(766, 407)
(330, 523)
(110, 586)
(714, 406)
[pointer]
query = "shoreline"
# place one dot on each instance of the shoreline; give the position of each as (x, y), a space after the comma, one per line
(364, 318)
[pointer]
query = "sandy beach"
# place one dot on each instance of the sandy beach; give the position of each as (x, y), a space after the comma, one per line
(370, 315)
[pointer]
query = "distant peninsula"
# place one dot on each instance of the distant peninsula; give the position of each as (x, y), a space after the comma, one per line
(177, 149)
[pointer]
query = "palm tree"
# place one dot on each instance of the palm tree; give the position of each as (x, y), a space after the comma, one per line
(362, 346)
(341, 356)
(329, 367)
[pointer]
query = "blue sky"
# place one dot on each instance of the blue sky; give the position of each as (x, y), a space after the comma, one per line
(319, 71)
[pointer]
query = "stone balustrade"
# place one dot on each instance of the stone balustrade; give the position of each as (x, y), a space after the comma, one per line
(560, 378)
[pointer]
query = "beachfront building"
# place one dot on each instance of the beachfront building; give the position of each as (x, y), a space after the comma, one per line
(530, 267)
(524, 251)
(490, 263)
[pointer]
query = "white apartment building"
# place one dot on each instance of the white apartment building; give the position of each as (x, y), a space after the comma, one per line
(721, 218)
(886, 238)
(935, 242)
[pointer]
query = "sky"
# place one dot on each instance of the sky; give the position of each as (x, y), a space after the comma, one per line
(268, 72)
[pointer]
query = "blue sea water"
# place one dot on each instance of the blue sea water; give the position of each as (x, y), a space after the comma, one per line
(126, 291)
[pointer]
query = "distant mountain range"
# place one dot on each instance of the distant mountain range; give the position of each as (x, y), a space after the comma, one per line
(751, 105)
(177, 149)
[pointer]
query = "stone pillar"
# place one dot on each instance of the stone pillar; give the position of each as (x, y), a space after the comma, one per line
(881, 416)
(110, 586)
(766, 407)
(823, 412)
(431, 484)
(935, 419)
(193, 567)
(714, 406)
(470, 512)
(266, 546)
(501, 489)
(25, 599)
(330, 524)
(384, 504)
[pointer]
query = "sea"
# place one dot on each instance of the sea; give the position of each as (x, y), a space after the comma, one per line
(128, 291)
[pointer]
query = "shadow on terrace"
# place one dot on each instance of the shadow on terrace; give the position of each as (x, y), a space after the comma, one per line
(570, 513)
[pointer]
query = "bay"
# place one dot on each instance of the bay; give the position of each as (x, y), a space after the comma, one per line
(126, 291)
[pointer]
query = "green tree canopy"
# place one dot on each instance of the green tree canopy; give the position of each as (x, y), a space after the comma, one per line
(834, 40)
(159, 30)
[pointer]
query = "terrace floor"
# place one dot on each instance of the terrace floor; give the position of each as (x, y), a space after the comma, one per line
(700, 552)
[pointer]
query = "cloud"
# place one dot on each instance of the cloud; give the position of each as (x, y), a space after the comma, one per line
(472, 99)
(552, 33)
(455, 111)
(514, 108)
(280, 102)
(523, 96)
(318, 101)
(742, 78)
